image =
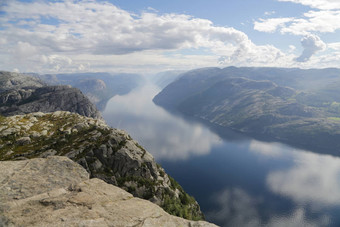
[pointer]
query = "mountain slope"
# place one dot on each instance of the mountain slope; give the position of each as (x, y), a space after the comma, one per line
(20, 94)
(162, 79)
(12, 81)
(241, 99)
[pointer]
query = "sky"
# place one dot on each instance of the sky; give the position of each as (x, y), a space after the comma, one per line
(148, 36)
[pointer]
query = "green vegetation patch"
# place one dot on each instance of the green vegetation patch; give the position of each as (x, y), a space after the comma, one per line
(56, 139)
(334, 118)
(185, 206)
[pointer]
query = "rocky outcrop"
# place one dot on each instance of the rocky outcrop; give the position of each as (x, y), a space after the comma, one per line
(14, 81)
(98, 87)
(57, 192)
(106, 153)
(20, 94)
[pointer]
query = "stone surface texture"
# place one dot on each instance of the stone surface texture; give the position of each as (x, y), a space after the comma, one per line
(57, 192)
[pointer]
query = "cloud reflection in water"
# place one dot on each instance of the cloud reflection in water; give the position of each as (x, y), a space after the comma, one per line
(238, 208)
(310, 179)
(164, 135)
(313, 179)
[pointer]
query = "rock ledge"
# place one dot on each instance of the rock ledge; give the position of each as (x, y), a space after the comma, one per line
(57, 192)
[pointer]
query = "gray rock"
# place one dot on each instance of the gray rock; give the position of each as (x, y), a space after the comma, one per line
(9, 131)
(20, 94)
(23, 141)
(44, 132)
(56, 192)
(48, 153)
(11, 80)
(22, 179)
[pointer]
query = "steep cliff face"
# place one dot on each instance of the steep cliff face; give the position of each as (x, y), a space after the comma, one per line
(55, 191)
(20, 94)
(106, 153)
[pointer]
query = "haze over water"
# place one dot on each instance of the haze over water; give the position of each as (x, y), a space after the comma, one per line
(238, 181)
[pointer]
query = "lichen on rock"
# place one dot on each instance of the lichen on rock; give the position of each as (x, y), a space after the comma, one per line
(106, 153)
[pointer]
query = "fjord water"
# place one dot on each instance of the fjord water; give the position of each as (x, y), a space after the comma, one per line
(237, 180)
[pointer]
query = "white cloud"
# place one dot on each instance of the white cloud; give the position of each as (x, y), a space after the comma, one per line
(292, 48)
(321, 20)
(313, 21)
(106, 29)
(334, 46)
(23, 50)
(70, 29)
(3, 41)
(269, 13)
(270, 25)
(311, 44)
(56, 62)
(106, 35)
(318, 4)
(151, 9)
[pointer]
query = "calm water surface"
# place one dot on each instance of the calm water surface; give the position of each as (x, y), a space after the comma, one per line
(238, 181)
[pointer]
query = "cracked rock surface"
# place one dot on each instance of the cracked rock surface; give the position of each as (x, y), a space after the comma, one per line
(57, 192)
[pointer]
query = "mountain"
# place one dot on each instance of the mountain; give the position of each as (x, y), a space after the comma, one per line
(20, 94)
(56, 191)
(106, 153)
(98, 87)
(15, 81)
(162, 79)
(295, 106)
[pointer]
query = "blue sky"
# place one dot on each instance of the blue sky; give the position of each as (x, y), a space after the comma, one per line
(153, 35)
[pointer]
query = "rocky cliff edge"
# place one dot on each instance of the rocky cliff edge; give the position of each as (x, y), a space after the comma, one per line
(106, 153)
(56, 191)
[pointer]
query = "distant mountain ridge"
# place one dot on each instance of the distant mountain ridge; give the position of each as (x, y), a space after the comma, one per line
(98, 87)
(162, 79)
(295, 106)
(21, 94)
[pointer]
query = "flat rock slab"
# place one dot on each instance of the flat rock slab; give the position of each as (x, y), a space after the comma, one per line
(57, 192)
(22, 179)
